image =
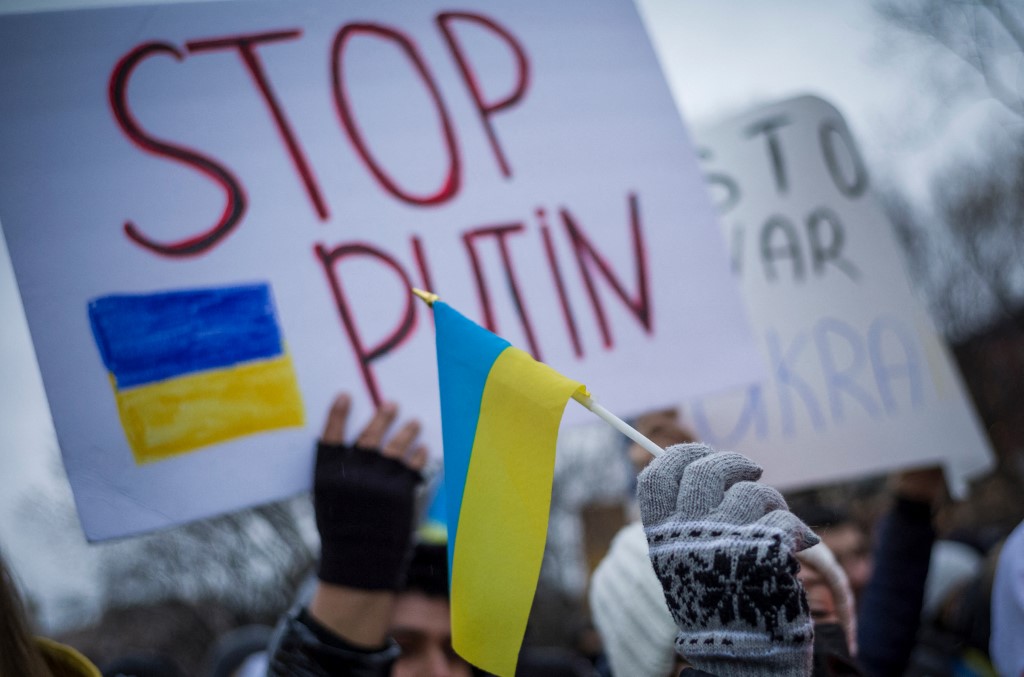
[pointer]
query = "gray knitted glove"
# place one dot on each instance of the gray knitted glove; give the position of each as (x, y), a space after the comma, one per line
(723, 547)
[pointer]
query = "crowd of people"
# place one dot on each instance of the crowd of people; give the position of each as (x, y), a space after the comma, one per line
(712, 573)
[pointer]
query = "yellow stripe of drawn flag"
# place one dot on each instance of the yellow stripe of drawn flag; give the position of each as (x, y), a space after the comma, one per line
(500, 413)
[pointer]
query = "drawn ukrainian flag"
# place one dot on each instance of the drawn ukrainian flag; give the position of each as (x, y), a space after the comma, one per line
(500, 413)
(191, 368)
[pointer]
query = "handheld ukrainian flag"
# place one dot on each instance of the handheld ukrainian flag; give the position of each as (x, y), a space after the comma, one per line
(195, 367)
(500, 412)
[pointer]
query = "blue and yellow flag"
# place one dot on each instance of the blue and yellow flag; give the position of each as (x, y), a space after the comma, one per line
(195, 367)
(500, 413)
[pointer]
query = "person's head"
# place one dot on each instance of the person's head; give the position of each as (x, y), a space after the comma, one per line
(662, 427)
(830, 599)
(853, 552)
(820, 597)
(421, 621)
(847, 540)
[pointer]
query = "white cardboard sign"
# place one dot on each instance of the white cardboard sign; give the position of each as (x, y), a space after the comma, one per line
(215, 211)
(859, 381)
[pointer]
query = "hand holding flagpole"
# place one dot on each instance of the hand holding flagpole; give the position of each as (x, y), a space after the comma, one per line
(585, 399)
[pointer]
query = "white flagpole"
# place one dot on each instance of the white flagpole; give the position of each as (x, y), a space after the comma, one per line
(614, 421)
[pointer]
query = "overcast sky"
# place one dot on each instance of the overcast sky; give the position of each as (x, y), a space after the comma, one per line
(719, 57)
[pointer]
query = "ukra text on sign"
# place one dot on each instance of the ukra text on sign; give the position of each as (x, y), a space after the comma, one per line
(859, 382)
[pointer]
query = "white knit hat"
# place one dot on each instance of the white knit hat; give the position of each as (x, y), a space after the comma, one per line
(952, 564)
(628, 607)
(821, 559)
(1005, 647)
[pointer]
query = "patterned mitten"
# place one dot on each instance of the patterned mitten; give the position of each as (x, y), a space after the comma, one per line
(723, 547)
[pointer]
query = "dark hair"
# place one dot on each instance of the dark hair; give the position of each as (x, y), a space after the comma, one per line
(141, 665)
(18, 652)
(428, 570)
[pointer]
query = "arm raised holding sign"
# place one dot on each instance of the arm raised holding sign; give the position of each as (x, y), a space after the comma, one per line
(363, 496)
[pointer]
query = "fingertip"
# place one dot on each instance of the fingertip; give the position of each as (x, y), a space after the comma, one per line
(805, 538)
(738, 464)
(340, 406)
(802, 535)
(658, 484)
(676, 459)
(756, 471)
(694, 450)
(707, 477)
(399, 444)
(372, 436)
(417, 459)
(337, 417)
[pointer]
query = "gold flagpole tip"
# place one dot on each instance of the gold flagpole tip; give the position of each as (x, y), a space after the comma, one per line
(426, 296)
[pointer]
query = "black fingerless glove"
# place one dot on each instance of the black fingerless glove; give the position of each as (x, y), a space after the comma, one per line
(364, 505)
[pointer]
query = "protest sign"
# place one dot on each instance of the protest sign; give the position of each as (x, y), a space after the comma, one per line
(859, 381)
(215, 212)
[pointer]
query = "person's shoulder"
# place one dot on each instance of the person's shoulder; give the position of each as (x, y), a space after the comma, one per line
(65, 661)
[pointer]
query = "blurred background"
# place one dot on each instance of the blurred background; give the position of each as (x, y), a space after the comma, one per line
(933, 91)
